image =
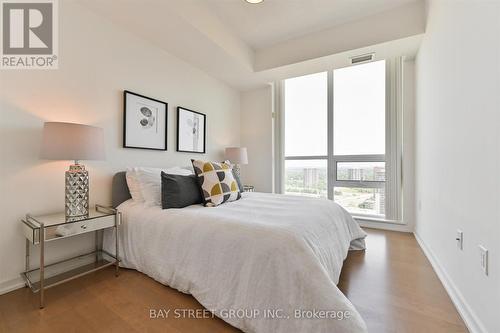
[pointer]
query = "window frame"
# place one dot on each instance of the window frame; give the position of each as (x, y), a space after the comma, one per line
(360, 184)
(357, 159)
(392, 156)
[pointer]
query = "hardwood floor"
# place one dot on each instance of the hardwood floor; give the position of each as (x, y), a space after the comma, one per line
(395, 289)
(391, 284)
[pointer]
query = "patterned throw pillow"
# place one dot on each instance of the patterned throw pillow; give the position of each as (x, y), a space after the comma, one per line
(216, 182)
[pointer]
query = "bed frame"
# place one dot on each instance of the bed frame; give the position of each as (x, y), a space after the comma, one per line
(120, 192)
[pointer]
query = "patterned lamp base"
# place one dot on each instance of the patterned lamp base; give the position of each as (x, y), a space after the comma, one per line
(77, 192)
(237, 170)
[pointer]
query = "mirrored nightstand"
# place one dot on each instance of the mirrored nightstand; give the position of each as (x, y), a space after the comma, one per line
(248, 188)
(39, 230)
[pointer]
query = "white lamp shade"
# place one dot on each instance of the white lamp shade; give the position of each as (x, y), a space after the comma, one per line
(237, 155)
(68, 141)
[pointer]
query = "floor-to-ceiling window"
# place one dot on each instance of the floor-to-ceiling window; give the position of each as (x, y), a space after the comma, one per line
(335, 137)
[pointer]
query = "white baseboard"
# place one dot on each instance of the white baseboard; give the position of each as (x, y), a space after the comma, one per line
(384, 225)
(10, 285)
(468, 316)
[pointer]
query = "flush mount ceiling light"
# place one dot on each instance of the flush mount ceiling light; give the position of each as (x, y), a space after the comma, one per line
(254, 1)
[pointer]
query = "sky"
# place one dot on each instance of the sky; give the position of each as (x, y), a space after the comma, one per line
(359, 112)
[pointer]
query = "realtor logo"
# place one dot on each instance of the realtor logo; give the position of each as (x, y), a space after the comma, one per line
(29, 34)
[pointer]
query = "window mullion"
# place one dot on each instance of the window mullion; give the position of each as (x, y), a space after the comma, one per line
(358, 184)
(331, 165)
(359, 158)
(279, 135)
(322, 157)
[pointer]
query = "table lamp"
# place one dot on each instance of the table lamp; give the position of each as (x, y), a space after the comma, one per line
(237, 156)
(68, 141)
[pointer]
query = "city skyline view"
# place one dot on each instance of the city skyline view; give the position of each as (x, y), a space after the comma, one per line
(309, 178)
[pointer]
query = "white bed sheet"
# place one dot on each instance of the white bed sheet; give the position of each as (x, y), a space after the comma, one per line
(265, 252)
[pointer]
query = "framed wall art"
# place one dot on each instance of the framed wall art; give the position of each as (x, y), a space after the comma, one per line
(145, 122)
(191, 131)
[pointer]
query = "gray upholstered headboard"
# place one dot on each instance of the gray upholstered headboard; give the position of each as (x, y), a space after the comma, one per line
(120, 192)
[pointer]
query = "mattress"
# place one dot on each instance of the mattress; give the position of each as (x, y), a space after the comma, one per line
(265, 263)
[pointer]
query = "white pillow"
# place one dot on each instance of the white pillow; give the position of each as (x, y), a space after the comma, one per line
(133, 185)
(150, 182)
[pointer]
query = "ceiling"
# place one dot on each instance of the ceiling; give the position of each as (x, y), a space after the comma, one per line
(274, 21)
(248, 45)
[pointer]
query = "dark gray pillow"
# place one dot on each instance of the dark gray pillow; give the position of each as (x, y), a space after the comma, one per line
(179, 191)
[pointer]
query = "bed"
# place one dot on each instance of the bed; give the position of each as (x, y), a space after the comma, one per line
(265, 263)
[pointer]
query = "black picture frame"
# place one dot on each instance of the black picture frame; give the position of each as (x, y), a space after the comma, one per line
(179, 109)
(125, 110)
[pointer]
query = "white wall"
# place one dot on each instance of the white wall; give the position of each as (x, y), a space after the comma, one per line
(458, 152)
(257, 136)
(97, 62)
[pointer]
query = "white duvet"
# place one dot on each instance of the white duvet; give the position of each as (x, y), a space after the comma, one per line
(262, 256)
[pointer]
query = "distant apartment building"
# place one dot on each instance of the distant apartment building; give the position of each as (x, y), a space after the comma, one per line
(311, 178)
(355, 174)
(379, 174)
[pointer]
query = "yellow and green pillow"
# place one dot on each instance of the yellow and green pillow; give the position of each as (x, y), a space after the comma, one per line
(216, 182)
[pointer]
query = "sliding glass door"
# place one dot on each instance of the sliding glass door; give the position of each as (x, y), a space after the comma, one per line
(336, 128)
